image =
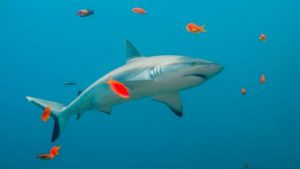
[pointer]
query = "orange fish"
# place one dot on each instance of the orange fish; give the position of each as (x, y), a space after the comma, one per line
(119, 88)
(85, 12)
(262, 37)
(138, 10)
(46, 114)
(194, 28)
(243, 91)
(262, 79)
(53, 153)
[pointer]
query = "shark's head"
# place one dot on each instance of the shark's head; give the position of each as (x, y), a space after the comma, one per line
(189, 71)
(191, 67)
(171, 72)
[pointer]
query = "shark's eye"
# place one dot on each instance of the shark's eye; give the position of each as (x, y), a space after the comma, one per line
(193, 63)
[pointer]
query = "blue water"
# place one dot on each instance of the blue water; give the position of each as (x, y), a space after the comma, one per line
(43, 43)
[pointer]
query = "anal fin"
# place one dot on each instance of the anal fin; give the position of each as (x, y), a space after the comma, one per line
(105, 109)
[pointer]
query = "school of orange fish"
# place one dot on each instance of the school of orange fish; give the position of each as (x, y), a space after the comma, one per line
(119, 88)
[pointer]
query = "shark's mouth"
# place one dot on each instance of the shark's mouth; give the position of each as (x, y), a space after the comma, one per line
(199, 75)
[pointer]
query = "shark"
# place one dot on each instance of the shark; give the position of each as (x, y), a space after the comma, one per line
(161, 77)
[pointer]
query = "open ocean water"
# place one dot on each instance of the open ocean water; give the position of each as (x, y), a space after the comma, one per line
(43, 44)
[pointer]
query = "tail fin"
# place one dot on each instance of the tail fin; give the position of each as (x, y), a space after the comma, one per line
(57, 109)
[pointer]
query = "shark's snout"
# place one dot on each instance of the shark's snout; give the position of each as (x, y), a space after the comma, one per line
(217, 68)
(213, 69)
(206, 71)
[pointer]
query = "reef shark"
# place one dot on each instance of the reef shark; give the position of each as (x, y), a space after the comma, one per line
(161, 77)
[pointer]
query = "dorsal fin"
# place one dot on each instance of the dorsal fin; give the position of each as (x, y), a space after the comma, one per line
(131, 51)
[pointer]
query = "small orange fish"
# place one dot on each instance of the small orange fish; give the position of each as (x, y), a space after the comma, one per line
(85, 12)
(46, 114)
(138, 10)
(262, 79)
(262, 37)
(243, 91)
(53, 153)
(119, 88)
(194, 28)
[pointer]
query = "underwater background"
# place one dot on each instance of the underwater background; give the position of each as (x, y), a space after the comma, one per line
(43, 44)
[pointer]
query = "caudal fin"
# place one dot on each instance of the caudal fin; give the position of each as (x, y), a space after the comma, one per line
(57, 109)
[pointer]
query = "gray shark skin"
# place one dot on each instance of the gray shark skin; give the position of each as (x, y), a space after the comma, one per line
(161, 77)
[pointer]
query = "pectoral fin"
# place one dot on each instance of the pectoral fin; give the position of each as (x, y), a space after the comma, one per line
(172, 100)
